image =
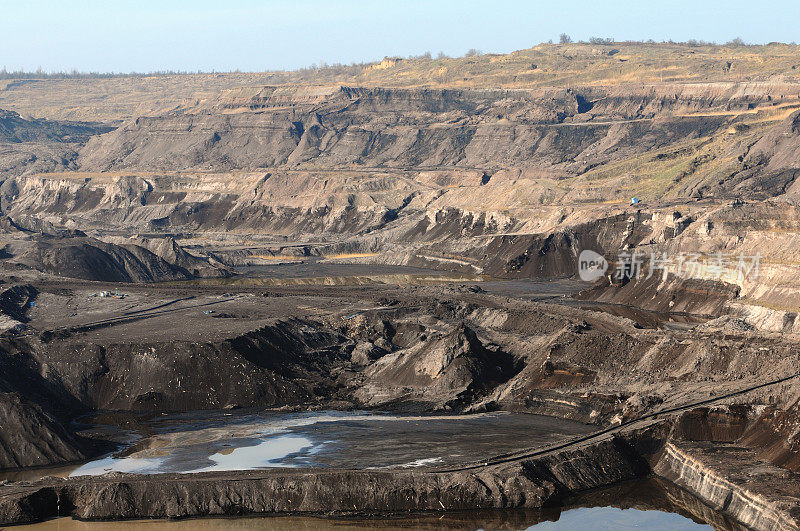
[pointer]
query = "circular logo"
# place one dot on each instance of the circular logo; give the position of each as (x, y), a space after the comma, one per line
(591, 265)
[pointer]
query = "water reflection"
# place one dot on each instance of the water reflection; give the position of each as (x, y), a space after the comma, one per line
(646, 504)
(613, 519)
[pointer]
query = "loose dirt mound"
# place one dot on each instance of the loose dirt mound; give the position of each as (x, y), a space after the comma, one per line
(445, 371)
(285, 363)
(15, 301)
(29, 437)
(169, 250)
(91, 259)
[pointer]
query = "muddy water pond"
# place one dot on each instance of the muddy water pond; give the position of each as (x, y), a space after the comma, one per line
(241, 440)
(222, 441)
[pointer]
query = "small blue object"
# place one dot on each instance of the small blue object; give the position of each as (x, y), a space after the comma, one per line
(31, 305)
(634, 200)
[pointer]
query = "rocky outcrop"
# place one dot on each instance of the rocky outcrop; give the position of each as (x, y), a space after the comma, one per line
(15, 301)
(766, 319)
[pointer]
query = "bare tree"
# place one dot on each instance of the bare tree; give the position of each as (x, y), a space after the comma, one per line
(564, 38)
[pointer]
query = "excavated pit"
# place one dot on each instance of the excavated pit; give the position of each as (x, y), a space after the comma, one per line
(453, 348)
(322, 246)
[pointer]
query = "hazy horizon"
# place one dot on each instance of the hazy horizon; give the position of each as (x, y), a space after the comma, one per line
(149, 36)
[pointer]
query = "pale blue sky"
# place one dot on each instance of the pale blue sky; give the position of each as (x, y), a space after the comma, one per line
(147, 35)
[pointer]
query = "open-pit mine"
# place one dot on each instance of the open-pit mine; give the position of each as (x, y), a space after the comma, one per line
(496, 291)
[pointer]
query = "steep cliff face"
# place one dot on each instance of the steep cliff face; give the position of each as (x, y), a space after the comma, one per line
(774, 436)
(351, 161)
(726, 478)
(561, 130)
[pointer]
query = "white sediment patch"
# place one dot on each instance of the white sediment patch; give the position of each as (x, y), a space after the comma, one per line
(428, 461)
